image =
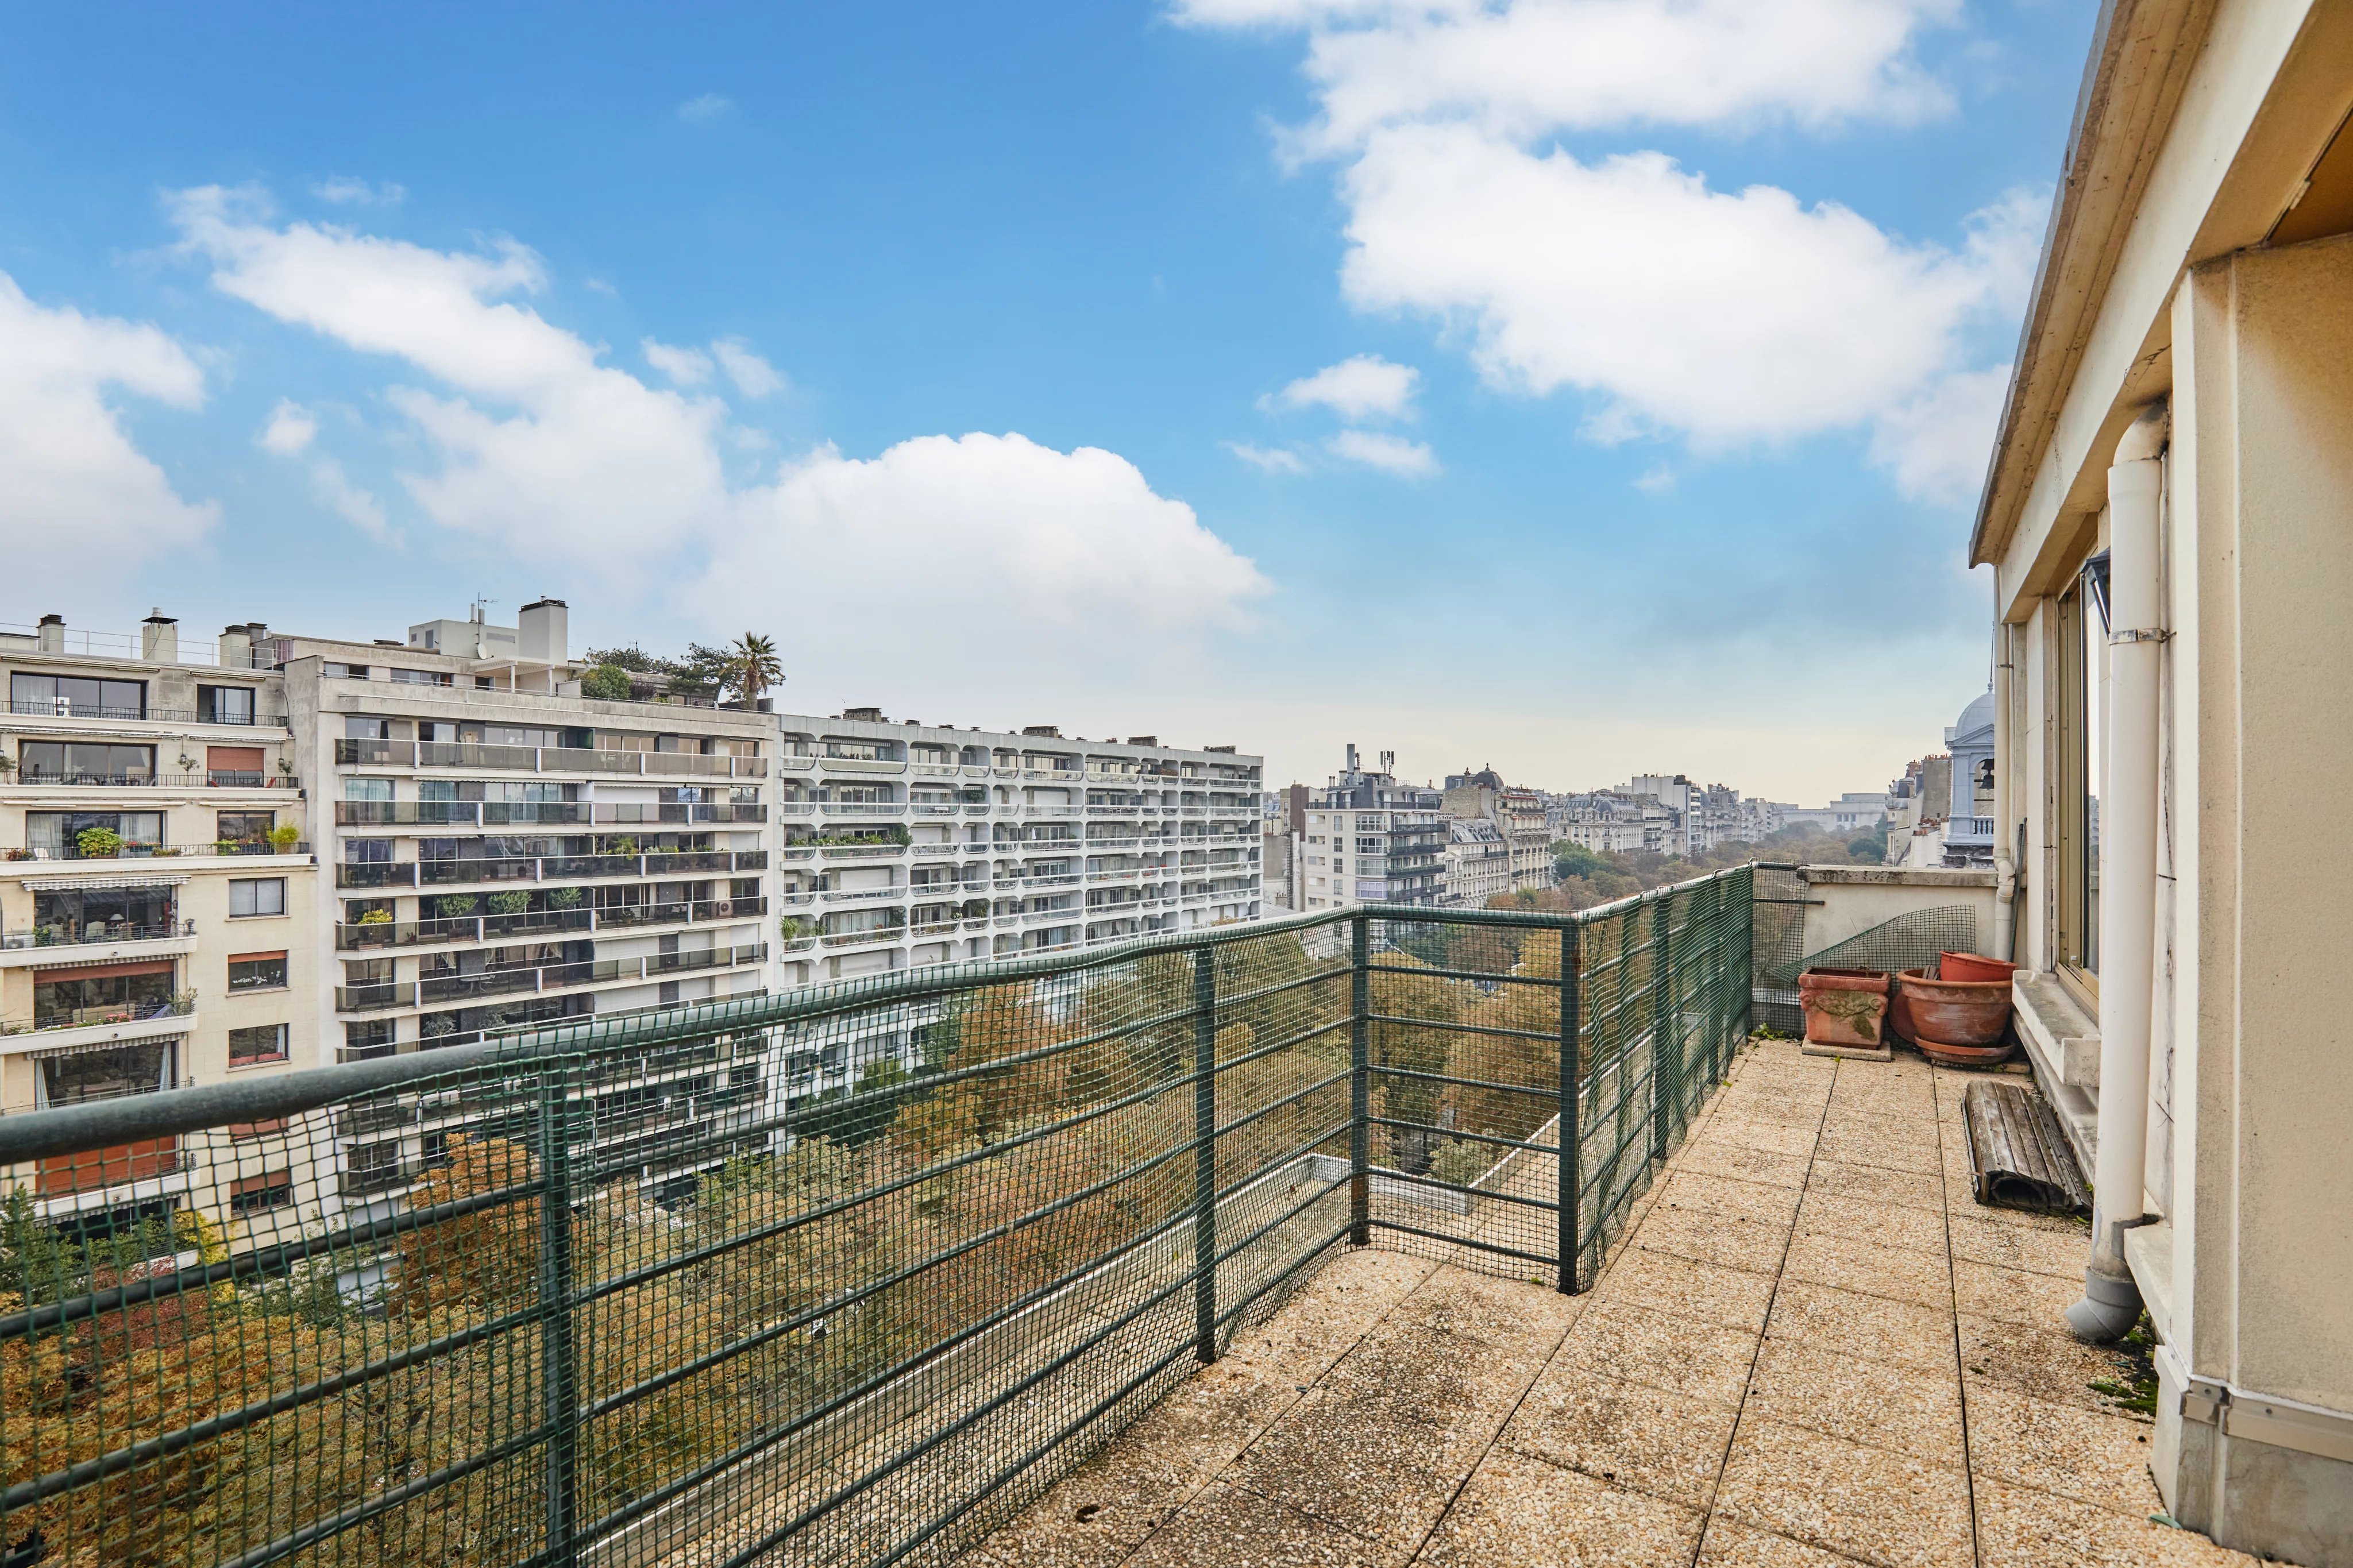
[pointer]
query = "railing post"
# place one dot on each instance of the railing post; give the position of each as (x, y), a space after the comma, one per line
(559, 1385)
(1662, 1093)
(1360, 1083)
(1205, 1153)
(1571, 1079)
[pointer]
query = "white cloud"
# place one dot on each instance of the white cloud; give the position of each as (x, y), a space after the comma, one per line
(77, 489)
(700, 111)
(529, 443)
(1358, 387)
(290, 429)
(348, 502)
(688, 367)
(1725, 317)
(288, 434)
(541, 446)
(1658, 480)
(1274, 459)
(1390, 454)
(1522, 68)
(753, 376)
(346, 192)
(1937, 443)
(1054, 544)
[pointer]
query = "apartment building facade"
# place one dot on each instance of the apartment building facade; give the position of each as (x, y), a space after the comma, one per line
(156, 909)
(903, 844)
(1371, 839)
(1478, 865)
(291, 849)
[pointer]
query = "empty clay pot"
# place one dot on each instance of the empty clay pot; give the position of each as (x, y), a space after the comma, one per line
(1899, 1007)
(1963, 1056)
(1957, 1012)
(1843, 1006)
(1973, 966)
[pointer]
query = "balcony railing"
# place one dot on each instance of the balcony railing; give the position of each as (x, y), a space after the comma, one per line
(61, 935)
(64, 708)
(543, 759)
(140, 778)
(431, 989)
(547, 868)
(181, 1004)
(1177, 1133)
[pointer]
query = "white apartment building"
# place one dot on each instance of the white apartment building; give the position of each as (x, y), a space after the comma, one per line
(503, 852)
(907, 844)
(1519, 817)
(1853, 812)
(154, 920)
(1478, 862)
(1371, 839)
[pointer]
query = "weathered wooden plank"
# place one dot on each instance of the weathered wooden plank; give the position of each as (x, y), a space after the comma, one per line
(2019, 1156)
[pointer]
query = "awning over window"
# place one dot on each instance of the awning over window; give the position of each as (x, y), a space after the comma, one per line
(76, 884)
(105, 1046)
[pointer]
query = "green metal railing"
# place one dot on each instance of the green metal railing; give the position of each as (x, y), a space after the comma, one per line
(845, 1275)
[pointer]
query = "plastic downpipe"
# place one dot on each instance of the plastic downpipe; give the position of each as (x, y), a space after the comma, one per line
(2111, 1301)
(2005, 865)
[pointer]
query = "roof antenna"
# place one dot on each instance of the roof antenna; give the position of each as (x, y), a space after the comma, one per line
(480, 615)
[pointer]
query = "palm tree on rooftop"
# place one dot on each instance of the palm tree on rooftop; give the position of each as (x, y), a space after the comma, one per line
(754, 667)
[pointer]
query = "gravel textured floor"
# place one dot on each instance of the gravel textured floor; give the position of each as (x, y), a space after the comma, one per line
(1812, 1347)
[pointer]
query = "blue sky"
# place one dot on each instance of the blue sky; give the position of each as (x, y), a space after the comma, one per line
(1585, 387)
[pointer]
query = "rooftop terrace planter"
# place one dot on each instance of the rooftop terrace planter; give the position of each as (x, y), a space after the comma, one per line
(1958, 1023)
(1845, 1009)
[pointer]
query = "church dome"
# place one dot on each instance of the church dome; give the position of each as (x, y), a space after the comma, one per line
(1977, 715)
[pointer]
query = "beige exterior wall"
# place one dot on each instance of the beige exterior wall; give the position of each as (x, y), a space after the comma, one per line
(182, 875)
(2246, 1263)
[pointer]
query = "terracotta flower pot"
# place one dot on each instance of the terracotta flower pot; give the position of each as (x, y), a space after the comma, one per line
(1957, 1012)
(1899, 1007)
(1963, 1056)
(1843, 1006)
(1973, 966)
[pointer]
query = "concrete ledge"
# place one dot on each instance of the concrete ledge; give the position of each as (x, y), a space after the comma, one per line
(2047, 1017)
(1898, 877)
(2149, 1253)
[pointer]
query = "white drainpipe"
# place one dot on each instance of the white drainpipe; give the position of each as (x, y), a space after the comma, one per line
(2005, 864)
(2111, 1302)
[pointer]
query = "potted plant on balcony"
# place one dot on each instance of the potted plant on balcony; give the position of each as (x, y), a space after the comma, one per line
(284, 837)
(512, 902)
(98, 842)
(375, 917)
(1846, 1009)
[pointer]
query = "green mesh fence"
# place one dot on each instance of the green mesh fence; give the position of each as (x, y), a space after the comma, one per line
(1911, 941)
(845, 1275)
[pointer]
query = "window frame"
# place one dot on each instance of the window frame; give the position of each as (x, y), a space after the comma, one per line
(2074, 842)
(284, 1051)
(251, 959)
(257, 883)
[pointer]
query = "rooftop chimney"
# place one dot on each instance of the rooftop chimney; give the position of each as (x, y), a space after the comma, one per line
(542, 635)
(159, 638)
(865, 715)
(51, 637)
(1143, 740)
(1050, 731)
(235, 647)
(1352, 756)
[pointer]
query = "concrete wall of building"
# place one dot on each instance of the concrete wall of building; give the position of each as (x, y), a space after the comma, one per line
(2247, 1264)
(1853, 898)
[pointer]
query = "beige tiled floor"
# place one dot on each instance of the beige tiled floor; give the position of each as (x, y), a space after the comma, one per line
(1812, 1348)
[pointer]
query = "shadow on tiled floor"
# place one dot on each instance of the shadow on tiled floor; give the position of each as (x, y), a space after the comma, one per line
(1813, 1348)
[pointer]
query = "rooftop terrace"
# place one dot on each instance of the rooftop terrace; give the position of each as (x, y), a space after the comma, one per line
(1812, 1347)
